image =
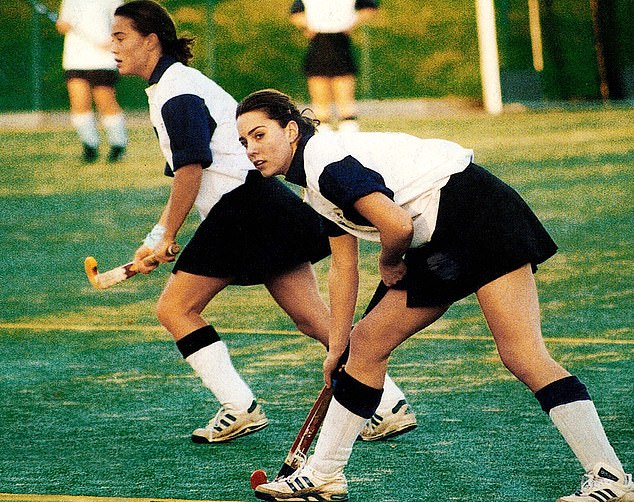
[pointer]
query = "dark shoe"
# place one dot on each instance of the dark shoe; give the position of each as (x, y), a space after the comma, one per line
(90, 154)
(116, 153)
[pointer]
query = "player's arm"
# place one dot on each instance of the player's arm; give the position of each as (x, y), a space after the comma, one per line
(185, 189)
(396, 229)
(343, 286)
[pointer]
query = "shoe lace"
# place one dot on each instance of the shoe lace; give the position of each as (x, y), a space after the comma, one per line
(216, 422)
(589, 483)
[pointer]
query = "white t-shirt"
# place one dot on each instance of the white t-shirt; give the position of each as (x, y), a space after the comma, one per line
(338, 169)
(331, 16)
(86, 45)
(194, 119)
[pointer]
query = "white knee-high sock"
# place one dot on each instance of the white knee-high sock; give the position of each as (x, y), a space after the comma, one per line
(580, 425)
(339, 431)
(214, 367)
(86, 127)
(115, 129)
(392, 394)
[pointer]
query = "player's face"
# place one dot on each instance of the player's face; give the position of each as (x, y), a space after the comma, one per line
(130, 49)
(270, 147)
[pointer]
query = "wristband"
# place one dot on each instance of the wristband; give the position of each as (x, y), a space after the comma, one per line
(155, 236)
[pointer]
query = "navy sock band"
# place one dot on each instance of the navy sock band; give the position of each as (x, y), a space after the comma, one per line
(197, 340)
(355, 396)
(564, 391)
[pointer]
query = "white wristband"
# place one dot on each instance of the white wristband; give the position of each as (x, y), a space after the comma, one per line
(155, 236)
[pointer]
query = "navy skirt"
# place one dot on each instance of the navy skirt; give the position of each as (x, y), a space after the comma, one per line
(255, 232)
(484, 230)
(330, 55)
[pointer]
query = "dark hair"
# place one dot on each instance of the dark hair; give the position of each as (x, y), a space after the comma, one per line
(149, 17)
(279, 107)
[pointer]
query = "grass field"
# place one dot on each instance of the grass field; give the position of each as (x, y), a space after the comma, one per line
(96, 401)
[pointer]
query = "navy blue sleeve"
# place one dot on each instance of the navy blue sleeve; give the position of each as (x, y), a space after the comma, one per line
(297, 7)
(189, 127)
(346, 181)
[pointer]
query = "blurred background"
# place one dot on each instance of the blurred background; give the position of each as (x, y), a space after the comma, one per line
(413, 49)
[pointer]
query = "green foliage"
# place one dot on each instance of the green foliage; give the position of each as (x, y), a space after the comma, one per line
(414, 49)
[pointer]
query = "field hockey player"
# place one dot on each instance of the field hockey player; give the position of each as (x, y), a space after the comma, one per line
(447, 228)
(254, 230)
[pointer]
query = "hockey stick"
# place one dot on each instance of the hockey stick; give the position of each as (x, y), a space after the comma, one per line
(104, 280)
(297, 453)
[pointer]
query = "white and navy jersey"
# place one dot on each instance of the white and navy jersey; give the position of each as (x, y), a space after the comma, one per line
(86, 45)
(339, 169)
(194, 119)
(331, 16)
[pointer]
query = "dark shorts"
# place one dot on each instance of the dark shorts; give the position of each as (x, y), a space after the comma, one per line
(96, 78)
(484, 230)
(330, 55)
(255, 232)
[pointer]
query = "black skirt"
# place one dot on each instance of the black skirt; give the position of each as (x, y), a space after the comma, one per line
(255, 232)
(484, 230)
(330, 55)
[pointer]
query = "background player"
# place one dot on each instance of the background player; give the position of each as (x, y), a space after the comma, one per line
(91, 74)
(447, 228)
(329, 63)
(241, 240)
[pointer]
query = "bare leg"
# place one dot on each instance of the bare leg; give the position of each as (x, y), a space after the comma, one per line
(79, 95)
(387, 325)
(344, 96)
(321, 97)
(511, 307)
(184, 298)
(106, 100)
(297, 293)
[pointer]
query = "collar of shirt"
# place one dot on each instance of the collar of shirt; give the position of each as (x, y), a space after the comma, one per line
(296, 173)
(163, 64)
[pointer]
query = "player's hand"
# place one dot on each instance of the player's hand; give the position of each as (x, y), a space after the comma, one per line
(391, 273)
(163, 251)
(331, 366)
(144, 261)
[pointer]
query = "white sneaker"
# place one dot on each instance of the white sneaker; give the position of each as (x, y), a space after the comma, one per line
(231, 424)
(305, 484)
(399, 420)
(602, 484)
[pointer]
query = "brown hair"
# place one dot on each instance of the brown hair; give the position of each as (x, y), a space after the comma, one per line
(149, 17)
(279, 107)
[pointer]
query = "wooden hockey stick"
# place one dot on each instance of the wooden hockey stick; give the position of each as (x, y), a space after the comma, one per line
(104, 280)
(297, 453)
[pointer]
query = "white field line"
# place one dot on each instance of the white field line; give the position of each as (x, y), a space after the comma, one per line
(251, 331)
(11, 497)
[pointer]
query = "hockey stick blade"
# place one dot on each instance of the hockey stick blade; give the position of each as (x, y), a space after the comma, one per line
(105, 280)
(258, 478)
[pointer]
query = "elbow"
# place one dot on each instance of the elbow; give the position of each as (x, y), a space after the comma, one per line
(405, 231)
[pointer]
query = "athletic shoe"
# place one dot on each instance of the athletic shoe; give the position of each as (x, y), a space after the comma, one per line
(305, 484)
(399, 420)
(116, 154)
(89, 154)
(603, 484)
(230, 424)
